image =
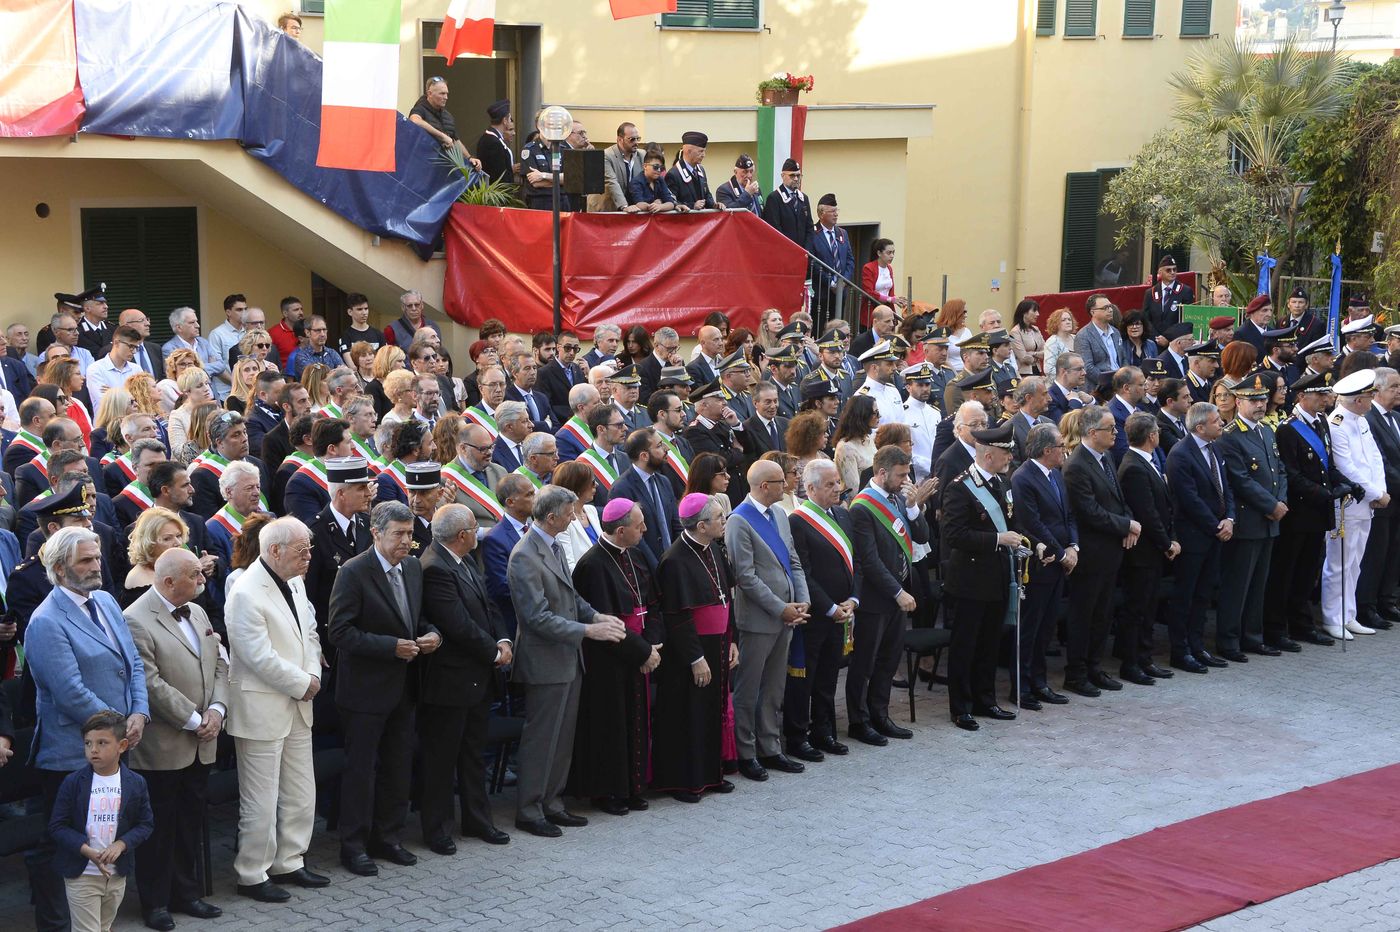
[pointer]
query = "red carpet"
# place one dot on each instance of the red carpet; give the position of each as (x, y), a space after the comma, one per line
(1179, 875)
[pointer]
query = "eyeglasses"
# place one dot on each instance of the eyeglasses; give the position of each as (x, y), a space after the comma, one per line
(1111, 429)
(480, 449)
(570, 348)
(634, 138)
(617, 423)
(262, 346)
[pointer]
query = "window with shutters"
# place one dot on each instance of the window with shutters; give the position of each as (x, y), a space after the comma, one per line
(1089, 257)
(314, 6)
(1138, 18)
(1195, 18)
(714, 14)
(1045, 17)
(149, 258)
(1081, 17)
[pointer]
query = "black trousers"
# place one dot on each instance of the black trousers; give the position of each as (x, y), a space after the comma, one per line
(1239, 619)
(972, 657)
(167, 865)
(1142, 583)
(1039, 610)
(1375, 586)
(809, 702)
(1293, 574)
(879, 638)
(374, 788)
(1090, 617)
(452, 742)
(1197, 575)
(45, 885)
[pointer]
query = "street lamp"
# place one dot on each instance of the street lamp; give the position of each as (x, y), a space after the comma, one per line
(1334, 16)
(555, 124)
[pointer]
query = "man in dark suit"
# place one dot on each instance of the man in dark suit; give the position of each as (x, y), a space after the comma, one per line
(1106, 529)
(1173, 399)
(1258, 317)
(377, 626)
(1129, 387)
(765, 430)
(1043, 514)
(1260, 488)
(788, 209)
(1066, 387)
(665, 351)
(517, 496)
(561, 374)
(976, 536)
(644, 483)
(832, 248)
(1145, 489)
(514, 423)
(606, 337)
(456, 685)
(228, 443)
(16, 376)
(884, 527)
(821, 532)
(704, 368)
(265, 413)
(1380, 561)
(1204, 519)
(524, 371)
(668, 414)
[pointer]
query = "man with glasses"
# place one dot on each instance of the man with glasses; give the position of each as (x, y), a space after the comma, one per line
(93, 330)
(65, 334)
(315, 349)
(113, 369)
(668, 414)
(423, 358)
(605, 457)
(136, 319)
(411, 319)
(472, 476)
(788, 209)
(666, 344)
(184, 322)
(559, 373)
(524, 372)
(1098, 342)
(1066, 391)
(254, 318)
(622, 162)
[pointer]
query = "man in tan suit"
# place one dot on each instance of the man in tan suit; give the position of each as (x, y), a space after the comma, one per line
(274, 672)
(186, 685)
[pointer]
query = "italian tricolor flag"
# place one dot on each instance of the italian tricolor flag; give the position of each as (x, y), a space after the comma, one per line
(467, 29)
(621, 9)
(359, 81)
(780, 132)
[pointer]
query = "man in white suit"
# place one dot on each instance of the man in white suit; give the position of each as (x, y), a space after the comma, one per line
(274, 673)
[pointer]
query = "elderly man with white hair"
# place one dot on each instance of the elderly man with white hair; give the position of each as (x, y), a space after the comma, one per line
(606, 337)
(400, 333)
(184, 323)
(275, 670)
(240, 485)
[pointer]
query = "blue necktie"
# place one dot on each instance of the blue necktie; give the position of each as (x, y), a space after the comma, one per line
(662, 525)
(1055, 487)
(530, 403)
(92, 612)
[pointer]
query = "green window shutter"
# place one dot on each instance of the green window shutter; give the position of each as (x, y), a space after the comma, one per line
(1138, 17)
(688, 13)
(1081, 17)
(1195, 17)
(1083, 194)
(149, 259)
(734, 14)
(1045, 18)
(313, 6)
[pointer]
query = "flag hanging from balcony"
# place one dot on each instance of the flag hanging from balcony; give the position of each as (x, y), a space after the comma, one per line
(621, 9)
(780, 133)
(359, 82)
(39, 92)
(467, 29)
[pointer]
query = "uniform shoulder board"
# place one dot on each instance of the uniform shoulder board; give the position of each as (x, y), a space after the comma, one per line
(1337, 419)
(864, 389)
(25, 564)
(1233, 427)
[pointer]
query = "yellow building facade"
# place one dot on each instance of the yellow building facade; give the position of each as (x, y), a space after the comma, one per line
(953, 128)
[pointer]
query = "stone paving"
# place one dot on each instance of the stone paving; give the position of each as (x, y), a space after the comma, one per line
(885, 827)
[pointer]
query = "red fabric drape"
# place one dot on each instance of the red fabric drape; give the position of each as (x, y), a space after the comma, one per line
(1128, 298)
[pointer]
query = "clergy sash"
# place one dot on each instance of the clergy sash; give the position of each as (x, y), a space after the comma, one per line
(831, 532)
(1308, 433)
(534, 480)
(315, 470)
(889, 519)
(138, 494)
(478, 416)
(602, 470)
(473, 488)
(30, 442)
(576, 427)
(768, 531)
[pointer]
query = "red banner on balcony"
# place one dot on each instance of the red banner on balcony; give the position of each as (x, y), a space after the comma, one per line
(624, 269)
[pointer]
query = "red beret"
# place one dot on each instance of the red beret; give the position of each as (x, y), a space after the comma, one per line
(1258, 302)
(1221, 322)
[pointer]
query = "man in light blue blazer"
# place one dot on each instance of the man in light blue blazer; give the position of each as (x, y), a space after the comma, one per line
(83, 661)
(1099, 342)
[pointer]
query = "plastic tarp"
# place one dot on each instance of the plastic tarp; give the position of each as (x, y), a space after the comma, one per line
(39, 93)
(624, 269)
(1128, 298)
(208, 70)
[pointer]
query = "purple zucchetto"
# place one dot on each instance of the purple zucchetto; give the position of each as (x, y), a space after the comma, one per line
(617, 508)
(692, 504)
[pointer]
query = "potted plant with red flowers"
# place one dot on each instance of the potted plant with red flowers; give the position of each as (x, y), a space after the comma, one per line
(782, 89)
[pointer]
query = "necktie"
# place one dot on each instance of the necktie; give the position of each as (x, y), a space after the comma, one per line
(773, 434)
(101, 624)
(1107, 463)
(519, 454)
(1215, 472)
(350, 532)
(662, 524)
(530, 403)
(1394, 420)
(400, 595)
(559, 555)
(569, 374)
(1055, 487)
(831, 241)
(480, 476)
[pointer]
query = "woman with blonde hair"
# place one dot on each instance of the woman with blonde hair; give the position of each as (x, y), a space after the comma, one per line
(197, 440)
(194, 390)
(770, 323)
(1061, 326)
(245, 377)
(388, 359)
(169, 387)
(116, 404)
(952, 316)
(255, 343)
(401, 388)
(1072, 429)
(313, 379)
(445, 436)
(142, 386)
(156, 531)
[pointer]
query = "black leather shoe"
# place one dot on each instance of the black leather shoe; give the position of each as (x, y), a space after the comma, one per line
(685, 796)
(890, 730)
(1264, 650)
(723, 786)
(302, 877)
(1210, 660)
(200, 909)
(265, 892)
(394, 854)
(1082, 688)
(359, 863)
(1314, 636)
(1390, 613)
(803, 750)
(1103, 681)
(993, 712)
(781, 762)
(1190, 664)
(1046, 694)
(899, 683)
(1030, 703)
(751, 768)
(830, 746)
(1287, 645)
(637, 804)
(539, 827)
(492, 836)
(864, 733)
(159, 918)
(1377, 622)
(1136, 676)
(1234, 656)
(566, 818)
(443, 846)
(1157, 672)
(612, 805)
(966, 722)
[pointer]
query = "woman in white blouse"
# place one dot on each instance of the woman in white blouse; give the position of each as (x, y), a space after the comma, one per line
(855, 440)
(952, 316)
(1061, 326)
(194, 386)
(585, 529)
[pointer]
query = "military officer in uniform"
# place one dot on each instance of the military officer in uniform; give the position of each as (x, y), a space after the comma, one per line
(712, 431)
(794, 336)
(1280, 351)
(28, 584)
(339, 532)
(734, 381)
(686, 179)
(741, 191)
(783, 370)
(975, 353)
(819, 394)
(879, 363)
(941, 375)
(1162, 303)
(536, 170)
(424, 483)
(832, 351)
(1359, 460)
(921, 417)
(1203, 361)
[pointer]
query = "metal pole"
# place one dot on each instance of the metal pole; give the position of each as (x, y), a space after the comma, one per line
(945, 291)
(558, 263)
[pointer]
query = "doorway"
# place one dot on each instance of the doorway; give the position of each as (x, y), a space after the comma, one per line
(475, 83)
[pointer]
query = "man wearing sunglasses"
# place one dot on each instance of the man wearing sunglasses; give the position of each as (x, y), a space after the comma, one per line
(621, 163)
(559, 374)
(648, 193)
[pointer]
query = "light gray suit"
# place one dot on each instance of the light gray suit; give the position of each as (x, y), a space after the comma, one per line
(1089, 344)
(763, 590)
(550, 618)
(615, 178)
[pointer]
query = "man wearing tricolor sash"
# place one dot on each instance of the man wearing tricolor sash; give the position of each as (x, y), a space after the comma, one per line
(117, 468)
(886, 521)
(770, 601)
(821, 530)
(492, 384)
(668, 416)
(473, 476)
(34, 413)
(604, 456)
(136, 496)
(308, 490)
(58, 435)
(575, 436)
(343, 387)
(361, 417)
(241, 487)
(228, 443)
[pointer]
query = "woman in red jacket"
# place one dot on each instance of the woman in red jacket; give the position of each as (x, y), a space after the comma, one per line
(877, 278)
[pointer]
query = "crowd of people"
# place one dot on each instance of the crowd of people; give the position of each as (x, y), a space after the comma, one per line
(260, 541)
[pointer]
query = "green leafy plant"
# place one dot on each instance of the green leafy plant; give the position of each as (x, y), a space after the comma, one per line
(485, 193)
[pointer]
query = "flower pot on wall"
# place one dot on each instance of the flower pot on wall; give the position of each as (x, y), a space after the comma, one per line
(779, 96)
